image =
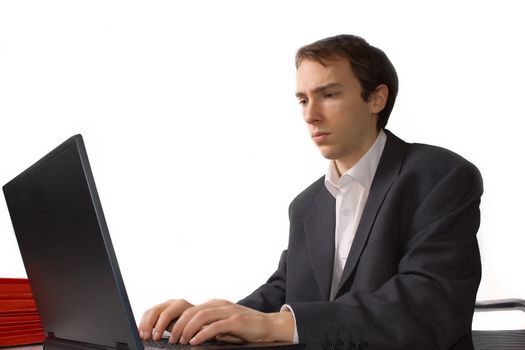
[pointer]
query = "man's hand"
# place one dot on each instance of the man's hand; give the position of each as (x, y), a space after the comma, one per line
(218, 319)
(155, 320)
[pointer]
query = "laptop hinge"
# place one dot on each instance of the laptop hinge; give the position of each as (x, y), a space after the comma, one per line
(52, 343)
(122, 346)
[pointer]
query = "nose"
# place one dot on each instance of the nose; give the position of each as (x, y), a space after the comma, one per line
(311, 112)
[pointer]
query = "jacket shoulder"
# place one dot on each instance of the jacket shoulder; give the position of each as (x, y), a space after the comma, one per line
(420, 155)
(427, 165)
(430, 158)
(304, 200)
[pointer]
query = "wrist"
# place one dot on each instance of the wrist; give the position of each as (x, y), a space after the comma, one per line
(282, 326)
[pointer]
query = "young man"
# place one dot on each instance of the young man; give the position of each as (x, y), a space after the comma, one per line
(382, 250)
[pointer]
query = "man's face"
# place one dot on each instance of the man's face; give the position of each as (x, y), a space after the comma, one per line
(340, 123)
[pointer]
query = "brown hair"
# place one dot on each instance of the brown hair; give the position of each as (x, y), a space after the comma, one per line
(370, 65)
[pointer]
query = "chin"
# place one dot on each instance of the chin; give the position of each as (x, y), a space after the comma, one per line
(328, 153)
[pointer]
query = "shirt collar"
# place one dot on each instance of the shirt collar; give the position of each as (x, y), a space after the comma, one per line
(362, 172)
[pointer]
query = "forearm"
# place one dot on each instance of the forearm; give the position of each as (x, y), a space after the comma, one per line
(281, 325)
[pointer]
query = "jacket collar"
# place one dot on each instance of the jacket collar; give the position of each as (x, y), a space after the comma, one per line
(320, 224)
(387, 172)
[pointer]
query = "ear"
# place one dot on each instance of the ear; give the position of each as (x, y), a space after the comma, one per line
(377, 99)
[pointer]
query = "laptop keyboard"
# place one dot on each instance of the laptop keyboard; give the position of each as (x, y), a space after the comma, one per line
(164, 344)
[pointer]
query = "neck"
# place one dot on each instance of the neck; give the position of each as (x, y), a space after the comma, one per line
(343, 164)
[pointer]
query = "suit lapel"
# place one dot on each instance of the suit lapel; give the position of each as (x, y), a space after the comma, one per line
(319, 229)
(387, 171)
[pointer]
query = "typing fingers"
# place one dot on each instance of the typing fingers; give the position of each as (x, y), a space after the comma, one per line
(191, 320)
(157, 319)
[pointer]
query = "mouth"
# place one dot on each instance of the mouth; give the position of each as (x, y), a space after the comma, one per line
(320, 136)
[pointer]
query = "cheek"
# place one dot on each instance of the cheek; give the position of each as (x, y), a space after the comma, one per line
(357, 114)
(344, 116)
(337, 112)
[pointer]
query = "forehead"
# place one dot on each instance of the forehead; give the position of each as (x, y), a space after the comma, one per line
(312, 74)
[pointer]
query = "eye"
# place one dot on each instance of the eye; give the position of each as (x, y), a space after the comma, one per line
(302, 101)
(330, 94)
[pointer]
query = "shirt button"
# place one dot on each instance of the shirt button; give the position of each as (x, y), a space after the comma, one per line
(346, 212)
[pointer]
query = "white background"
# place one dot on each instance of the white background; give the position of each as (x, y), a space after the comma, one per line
(196, 139)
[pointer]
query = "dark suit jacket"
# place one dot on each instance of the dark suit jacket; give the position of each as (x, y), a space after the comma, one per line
(413, 271)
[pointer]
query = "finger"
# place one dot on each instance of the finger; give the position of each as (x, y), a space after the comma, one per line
(143, 322)
(180, 323)
(203, 318)
(169, 314)
(218, 328)
(149, 318)
(187, 316)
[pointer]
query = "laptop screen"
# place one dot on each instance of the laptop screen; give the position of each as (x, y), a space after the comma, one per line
(67, 250)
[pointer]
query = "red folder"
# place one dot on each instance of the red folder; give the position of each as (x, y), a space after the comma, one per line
(19, 320)
(22, 340)
(13, 305)
(15, 285)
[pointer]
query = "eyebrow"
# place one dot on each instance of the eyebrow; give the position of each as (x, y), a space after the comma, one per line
(320, 89)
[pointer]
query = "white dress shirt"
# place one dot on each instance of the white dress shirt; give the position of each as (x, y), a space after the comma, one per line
(350, 192)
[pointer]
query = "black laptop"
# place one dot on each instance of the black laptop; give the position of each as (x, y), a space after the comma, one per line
(69, 258)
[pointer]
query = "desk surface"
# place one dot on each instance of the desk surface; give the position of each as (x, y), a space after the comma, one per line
(40, 347)
(23, 347)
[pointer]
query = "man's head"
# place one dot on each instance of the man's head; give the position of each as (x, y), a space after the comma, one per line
(369, 64)
(347, 90)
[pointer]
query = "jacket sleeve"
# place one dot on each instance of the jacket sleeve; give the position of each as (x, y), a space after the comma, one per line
(428, 304)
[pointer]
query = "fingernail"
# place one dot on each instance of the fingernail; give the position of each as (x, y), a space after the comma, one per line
(141, 334)
(192, 341)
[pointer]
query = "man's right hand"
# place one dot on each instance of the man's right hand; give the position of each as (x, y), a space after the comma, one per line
(215, 319)
(156, 320)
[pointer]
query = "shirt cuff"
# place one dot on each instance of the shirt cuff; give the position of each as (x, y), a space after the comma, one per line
(285, 308)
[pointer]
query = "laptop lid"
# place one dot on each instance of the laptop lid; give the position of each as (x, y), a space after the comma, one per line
(67, 251)
(69, 258)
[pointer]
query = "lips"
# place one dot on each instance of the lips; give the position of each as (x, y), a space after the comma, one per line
(320, 136)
